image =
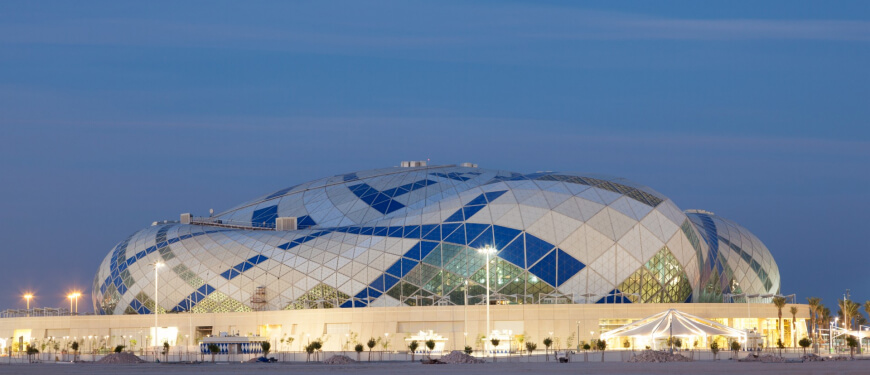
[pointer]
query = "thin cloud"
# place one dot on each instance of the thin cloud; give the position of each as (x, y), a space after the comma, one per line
(403, 27)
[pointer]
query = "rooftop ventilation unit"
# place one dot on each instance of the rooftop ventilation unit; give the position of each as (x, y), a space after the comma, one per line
(468, 165)
(285, 223)
(413, 164)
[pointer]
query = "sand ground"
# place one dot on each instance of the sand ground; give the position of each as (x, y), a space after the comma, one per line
(388, 368)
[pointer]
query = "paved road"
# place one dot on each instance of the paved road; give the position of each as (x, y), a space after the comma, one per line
(405, 368)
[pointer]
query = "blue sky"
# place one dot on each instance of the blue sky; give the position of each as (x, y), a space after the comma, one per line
(114, 115)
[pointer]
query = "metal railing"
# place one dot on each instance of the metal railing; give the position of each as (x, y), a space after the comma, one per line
(232, 224)
(36, 312)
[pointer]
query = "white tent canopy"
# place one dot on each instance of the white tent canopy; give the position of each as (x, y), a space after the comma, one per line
(673, 323)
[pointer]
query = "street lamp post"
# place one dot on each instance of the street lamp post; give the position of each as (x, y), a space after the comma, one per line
(157, 266)
(487, 250)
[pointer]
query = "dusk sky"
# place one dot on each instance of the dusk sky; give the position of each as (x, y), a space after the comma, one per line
(115, 115)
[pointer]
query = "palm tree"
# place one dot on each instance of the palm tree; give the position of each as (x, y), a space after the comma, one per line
(824, 319)
(814, 303)
(851, 312)
(793, 310)
(779, 302)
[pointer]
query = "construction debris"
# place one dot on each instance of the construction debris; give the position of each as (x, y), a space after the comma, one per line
(458, 357)
(767, 358)
(116, 358)
(338, 360)
(656, 356)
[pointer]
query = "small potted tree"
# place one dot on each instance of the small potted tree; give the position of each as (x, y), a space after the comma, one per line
(586, 348)
(735, 347)
(317, 345)
(602, 345)
(714, 348)
(75, 348)
(371, 344)
(214, 349)
(412, 347)
(266, 347)
(31, 351)
(852, 343)
(430, 344)
(358, 348)
(547, 342)
(530, 347)
(805, 343)
(494, 342)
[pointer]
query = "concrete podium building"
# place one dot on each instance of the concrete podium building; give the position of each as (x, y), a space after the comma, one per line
(396, 251)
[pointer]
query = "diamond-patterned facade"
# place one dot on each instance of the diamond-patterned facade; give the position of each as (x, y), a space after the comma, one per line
(411, 235)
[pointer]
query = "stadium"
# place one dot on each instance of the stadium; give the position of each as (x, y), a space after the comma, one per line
(405, 250)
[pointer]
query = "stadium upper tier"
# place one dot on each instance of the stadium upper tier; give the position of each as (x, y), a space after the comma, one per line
(410, 236)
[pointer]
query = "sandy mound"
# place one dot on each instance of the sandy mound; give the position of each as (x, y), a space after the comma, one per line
(655, 356)
(120, 358)
(457, 357)
(767, 358)
(338, 360)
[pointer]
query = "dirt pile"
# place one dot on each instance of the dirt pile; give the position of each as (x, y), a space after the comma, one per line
(458, 357)
(338, 360)
(767, 358)
(116, 358)
(655, 356)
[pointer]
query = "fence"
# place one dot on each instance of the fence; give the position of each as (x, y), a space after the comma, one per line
(177, 356)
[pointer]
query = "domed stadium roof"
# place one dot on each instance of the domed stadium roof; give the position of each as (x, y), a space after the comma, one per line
(736, 262)
(409, 236)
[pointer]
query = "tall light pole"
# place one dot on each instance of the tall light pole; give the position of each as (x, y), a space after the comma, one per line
(846, 320)
(157, 266)
(487, 250)
(70, 296)
(76, 296)
(28, 297)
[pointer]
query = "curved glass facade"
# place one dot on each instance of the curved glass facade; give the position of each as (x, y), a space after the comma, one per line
(409, 236)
